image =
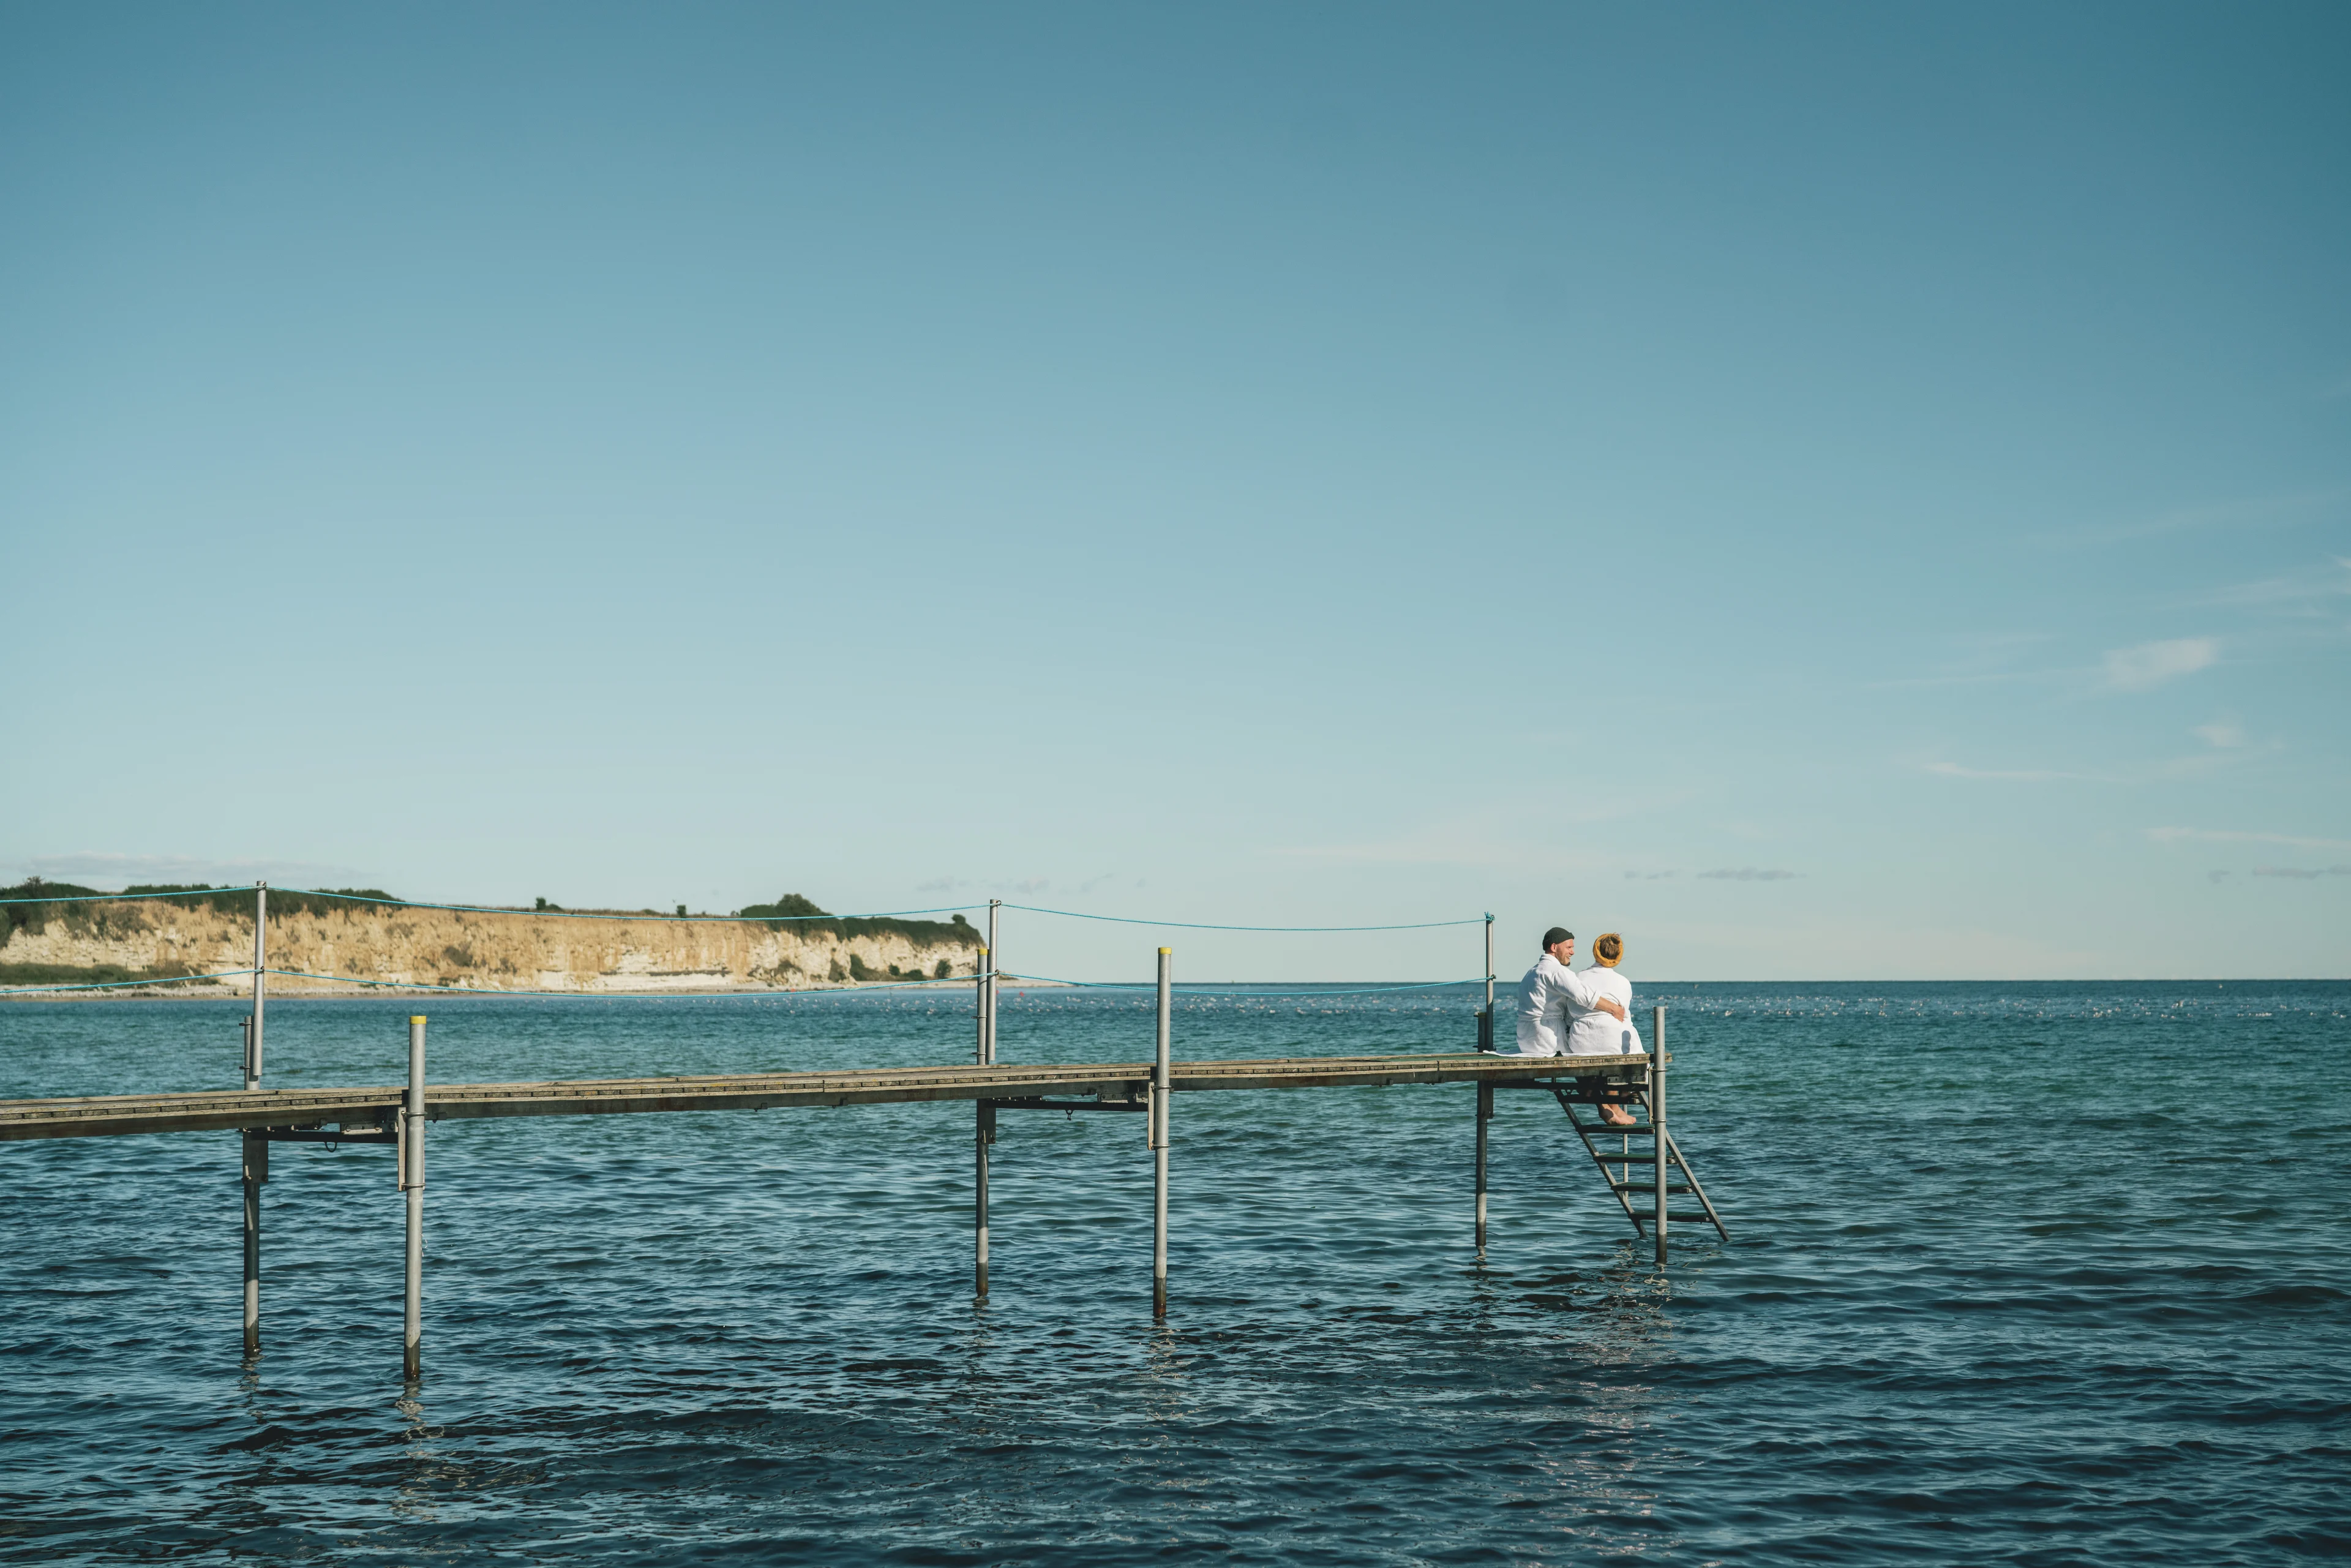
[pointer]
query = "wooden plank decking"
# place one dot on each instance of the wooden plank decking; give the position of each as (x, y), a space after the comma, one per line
(109, 1115)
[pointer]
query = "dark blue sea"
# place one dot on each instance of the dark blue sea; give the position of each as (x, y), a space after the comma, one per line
(2034, 1273)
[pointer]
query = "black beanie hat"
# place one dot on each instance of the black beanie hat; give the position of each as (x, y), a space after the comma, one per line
(1555, 935)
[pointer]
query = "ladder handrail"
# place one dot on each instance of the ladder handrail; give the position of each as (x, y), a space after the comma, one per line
(1617, 1186)
(1691, 1177)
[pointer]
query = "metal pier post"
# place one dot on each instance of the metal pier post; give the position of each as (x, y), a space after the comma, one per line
(260, 982)
(256, 1143)
(980, 1007)
(984, 1114)
(255, 1140)
(988, 999)
(1485, 1091)
(1486, 1019)
(411, 1183)
(1658, 1115)
(1485, 1115)
(986, 1124)
(1159, 1089)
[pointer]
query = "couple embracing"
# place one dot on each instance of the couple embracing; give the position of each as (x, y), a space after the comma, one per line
(1563, 1013)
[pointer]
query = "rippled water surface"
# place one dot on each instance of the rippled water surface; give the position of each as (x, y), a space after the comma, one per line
(2041, 1273)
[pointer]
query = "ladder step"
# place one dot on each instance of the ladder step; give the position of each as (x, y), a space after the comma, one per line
(1671, 1191)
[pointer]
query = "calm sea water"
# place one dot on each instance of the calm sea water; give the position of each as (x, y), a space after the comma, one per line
(2038, 1274)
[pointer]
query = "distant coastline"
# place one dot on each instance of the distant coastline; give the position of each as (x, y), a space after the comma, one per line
(360, 940)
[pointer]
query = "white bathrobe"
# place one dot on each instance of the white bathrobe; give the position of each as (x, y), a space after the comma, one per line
(1594, 1033)
(1551, 1000)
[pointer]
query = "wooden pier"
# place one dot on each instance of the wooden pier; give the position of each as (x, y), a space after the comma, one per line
(1108, 1086)
(398, 1117)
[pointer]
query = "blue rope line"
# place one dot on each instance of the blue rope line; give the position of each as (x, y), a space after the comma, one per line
(1200, 925)
(119, 985)
(589, 995)
(118, 897)
(1212, 995)
(666, 919)
(1015, 981)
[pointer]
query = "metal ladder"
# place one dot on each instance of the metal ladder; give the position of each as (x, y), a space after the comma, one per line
(1621, 1166)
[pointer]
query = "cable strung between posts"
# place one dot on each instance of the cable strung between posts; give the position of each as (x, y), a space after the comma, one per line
(118, 897)
(119, 985)
(581, 915)
(1200, 925)
(1014, 981)
(610, 996)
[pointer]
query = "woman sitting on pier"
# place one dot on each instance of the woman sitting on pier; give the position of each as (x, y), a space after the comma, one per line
(1597, 1033)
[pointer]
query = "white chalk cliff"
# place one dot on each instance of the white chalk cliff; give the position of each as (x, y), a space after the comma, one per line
(502, 951)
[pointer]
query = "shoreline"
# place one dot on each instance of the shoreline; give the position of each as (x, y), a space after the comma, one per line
(166, 991)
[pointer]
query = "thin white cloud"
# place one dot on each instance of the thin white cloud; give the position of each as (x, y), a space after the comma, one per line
(1465, 853)
(2212, 836)
(2252, 511)
(2303, 590)
(1982, 658)
(1748, 873)
(2003, 775)
(99, 869)
(2226, 736)
(1028, 887)
(2300, 874)
(2197, 764)
(1993, 678)
(2149, 664)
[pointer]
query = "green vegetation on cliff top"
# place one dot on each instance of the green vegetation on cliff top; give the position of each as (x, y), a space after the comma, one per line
(791, 912)
(191, 895)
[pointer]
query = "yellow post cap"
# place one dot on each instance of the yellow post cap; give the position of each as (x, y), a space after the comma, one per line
(417, 1018)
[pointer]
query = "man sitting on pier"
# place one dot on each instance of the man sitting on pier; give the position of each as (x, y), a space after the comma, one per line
(1552, 997)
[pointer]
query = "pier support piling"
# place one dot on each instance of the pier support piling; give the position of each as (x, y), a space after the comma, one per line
(257, 1171)
(983, 1123)
(1485, 1115)
(1159, 1093)
(987, 1125)
(1657, 1116)
(256, 1141)
(412, 1185)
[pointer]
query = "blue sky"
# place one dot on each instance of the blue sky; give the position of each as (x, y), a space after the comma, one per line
(1830, 491)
